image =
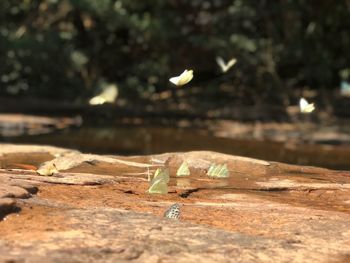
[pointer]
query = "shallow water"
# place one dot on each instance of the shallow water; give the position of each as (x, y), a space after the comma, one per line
(139, 140)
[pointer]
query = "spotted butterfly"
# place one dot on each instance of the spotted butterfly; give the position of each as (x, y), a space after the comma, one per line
(173, 212)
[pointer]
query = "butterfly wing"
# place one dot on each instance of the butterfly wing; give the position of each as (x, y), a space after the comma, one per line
(302, 104)
(231, 63)
(225, 66)
(309, 108)
(161, 173)
(219, 171)
(159, 183)
(175, 80)
(216, 170)
(223, 173)
(158, 187)
(173, 212)
(183, 170)
(306, 107)
(221, 63)
(210, 170)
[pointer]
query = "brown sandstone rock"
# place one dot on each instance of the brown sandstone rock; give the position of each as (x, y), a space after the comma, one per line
(264, 212)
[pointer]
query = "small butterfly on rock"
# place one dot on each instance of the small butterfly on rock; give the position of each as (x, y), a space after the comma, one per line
(173, 212)
(159, 183)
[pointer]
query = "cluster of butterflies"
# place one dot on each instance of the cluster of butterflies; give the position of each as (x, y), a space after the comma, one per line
(187, 75)
(304, 105)
(160, 180)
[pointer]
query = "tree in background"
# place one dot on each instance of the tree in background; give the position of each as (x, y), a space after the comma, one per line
(63, 49)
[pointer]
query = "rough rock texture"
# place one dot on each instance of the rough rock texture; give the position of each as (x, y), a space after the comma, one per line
(96, 209)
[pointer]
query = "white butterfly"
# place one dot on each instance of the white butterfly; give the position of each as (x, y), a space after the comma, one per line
(108, 95)
(225, 66)
(306, 107)
(173, 212)
(182, 79)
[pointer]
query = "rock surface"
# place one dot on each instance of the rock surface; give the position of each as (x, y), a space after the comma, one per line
(96, 209)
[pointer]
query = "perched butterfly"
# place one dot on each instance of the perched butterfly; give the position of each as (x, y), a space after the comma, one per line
(183, 170)
(159, 183)
(306, 107)
(161, 173)
(173, 212)
(225, 66)
(217, 170)
(47, 169)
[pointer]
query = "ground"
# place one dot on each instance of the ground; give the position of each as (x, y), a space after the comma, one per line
(96, 209)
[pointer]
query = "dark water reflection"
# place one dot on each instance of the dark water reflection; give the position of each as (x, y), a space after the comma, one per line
(138, 140)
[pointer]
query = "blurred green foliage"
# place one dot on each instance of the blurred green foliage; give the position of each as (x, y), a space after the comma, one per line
(61, 49)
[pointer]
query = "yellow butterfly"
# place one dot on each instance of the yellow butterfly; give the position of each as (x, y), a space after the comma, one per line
(183, 170)
(217, 170)
(47, 169)
(159, 183)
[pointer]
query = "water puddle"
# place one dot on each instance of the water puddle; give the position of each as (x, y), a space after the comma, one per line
(136, 140)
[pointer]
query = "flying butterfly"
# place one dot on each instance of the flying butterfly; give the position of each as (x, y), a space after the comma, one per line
(108, 95)
(183, 78)
(225, 66)
(306, 107)
(183, 170)
(173, 212)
